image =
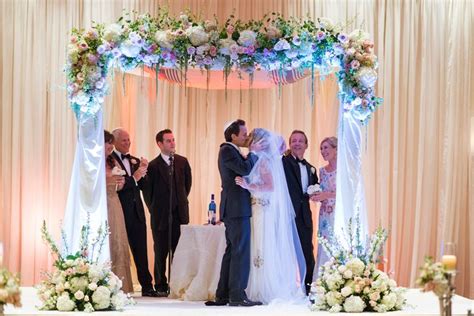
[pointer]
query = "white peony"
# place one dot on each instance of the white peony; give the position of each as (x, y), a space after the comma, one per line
(354, 304)
(65, 304)
(163, 38)
(112, 32)
(346, 291)
(356, 266)
(247, 38)
(101, 298)
(197, 35)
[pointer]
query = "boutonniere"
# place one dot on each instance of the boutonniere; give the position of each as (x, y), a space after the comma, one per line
(133, 161)
(313, 170)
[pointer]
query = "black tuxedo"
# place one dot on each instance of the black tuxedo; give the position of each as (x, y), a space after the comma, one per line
(157, 198)
(300, 200)
(135, 221)
(235, 212)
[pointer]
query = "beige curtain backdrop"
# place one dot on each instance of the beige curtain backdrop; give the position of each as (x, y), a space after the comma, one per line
(418, 150)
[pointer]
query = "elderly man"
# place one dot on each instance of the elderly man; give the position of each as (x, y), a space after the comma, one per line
(132, 206)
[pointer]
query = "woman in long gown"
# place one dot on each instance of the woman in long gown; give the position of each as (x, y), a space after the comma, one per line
(277, 266)
(118, 243)
(327, 196)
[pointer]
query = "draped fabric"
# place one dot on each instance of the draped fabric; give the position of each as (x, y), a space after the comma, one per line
(87, 198)
(417, 151)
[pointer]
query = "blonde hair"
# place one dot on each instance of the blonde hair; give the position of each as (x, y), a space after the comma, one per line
(332, 141)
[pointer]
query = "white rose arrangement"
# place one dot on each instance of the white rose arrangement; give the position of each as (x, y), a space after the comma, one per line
(350, 280)
(79, 282)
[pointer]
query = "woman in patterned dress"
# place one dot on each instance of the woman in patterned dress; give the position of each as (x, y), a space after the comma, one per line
(327, 196)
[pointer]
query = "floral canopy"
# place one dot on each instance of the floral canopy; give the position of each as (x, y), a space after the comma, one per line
(273, 50)
(262, 53)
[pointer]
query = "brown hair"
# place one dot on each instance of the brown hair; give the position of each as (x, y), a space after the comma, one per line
(109, 139)
(233, 129)
(297, 131)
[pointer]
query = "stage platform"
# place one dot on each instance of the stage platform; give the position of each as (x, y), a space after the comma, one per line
(419, 304)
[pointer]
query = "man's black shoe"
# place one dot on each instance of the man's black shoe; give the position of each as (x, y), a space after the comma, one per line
(162, 294)
(244, 303)
(217, 302)
(150, 293)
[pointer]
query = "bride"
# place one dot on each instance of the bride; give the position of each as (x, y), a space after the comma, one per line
(277, 266)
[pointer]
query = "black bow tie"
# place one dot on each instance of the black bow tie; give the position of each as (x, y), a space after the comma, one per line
(302, 161)
(125, 156)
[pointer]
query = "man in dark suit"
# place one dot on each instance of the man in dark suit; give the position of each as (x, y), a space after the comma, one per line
(132, 206)
(235, 212)
(299, 175)
(158, 188)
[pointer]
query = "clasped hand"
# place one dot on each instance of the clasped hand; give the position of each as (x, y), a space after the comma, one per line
(142, 169)
(241, 182)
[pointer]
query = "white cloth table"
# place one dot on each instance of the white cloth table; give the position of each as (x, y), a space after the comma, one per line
(197, 262)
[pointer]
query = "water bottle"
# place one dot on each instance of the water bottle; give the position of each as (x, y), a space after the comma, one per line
(211, 213)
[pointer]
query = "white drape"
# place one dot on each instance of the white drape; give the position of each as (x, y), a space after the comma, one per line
(87, 199)
(350, 196)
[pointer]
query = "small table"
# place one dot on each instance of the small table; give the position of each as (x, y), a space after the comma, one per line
(197, 262)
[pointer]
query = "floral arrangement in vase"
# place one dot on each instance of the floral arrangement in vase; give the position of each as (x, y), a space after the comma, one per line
(433, 277)
(78, 281)
(9, 289)
(350, 280)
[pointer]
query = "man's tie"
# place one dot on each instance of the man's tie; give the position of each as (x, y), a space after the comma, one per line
(303, 161)
(125, 156)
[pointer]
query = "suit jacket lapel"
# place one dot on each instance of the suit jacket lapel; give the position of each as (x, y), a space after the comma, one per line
(296, 170)
(117, 159)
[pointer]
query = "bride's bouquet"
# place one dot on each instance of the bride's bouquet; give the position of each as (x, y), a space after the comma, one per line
(350, 280)
(79, 282)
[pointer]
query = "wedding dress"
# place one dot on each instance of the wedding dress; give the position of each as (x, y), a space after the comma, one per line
(277, 262)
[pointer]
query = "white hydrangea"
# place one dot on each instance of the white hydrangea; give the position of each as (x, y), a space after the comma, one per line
(197, 35)
(389, 300)
(356, 266)
(247, 38)
(354, 304)
(101, 298)
(119, 301)
(79, 284)
(64, 304)
(334, 280)
(334, 298)
(96, 272)
(335, 309)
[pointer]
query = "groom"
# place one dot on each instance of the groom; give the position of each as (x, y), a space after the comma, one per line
(235, 212)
